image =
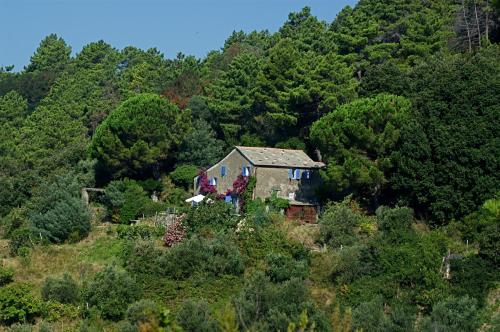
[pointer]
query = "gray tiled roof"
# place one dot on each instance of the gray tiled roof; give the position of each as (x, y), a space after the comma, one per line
(274, 157)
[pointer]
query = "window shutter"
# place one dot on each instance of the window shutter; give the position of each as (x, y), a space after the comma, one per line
(297, 174)
(290, 173)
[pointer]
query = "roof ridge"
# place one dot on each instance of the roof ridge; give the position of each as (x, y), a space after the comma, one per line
(276, 157)
(265, 147)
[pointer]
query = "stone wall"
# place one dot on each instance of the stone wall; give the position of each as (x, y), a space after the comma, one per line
(233, 162)
(271, 179)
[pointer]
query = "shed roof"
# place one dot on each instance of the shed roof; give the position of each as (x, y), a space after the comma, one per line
(273, 157)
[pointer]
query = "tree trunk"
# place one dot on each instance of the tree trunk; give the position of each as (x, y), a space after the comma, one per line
(467, 26)
(477, 25)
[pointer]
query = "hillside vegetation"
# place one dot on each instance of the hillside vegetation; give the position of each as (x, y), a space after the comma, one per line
(400, 99)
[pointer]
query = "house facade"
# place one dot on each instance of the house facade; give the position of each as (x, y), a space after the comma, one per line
(288, 174)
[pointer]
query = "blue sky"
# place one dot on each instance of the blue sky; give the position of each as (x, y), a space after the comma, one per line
(189, 26)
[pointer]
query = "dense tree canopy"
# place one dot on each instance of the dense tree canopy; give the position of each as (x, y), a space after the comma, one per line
(398, 98)
(357, 140)
(139, 135)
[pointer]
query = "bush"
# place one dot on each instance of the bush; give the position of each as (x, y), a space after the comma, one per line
(355, 262)
(394, 222)
(216, 216)
(6, 276)
(472, 276)
(282, 267)
(370, 316)
(339, 223)
(17, 304)
(218, 256)
(453, 314)
(21, 328)
(183, 176)
(125, 200)
(134, 232)
(58, 213)
(171, 194)
(21, 238)
(489, 244)
(195, 316)
(143, 258)
(53, 311)
(63, 290)
(264, 306)
(111, 291)
(144, 312)
(215, 257)
(16, 219)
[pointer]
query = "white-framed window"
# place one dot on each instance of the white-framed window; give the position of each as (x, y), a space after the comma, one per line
(245, 170)
(212, 181)
(294, 173)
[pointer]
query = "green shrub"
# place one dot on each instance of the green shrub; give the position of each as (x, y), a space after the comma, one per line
(21, 328)
(21, 238)
(171, 194)
(472, 276)
(93, 322)
(277, 203)
(53, 311)
(256, 245)
(339, 224)
(489, 244)
(216, 257)
(17, 304)
(125, 200)
(370, 316)
(63, 290)
(143, 232)
(16, 219)
(195, 316)
(453, 314)
(44, 327)
(151, 185)
(355, 262)
(394, 222)
(143, 257)
(110, 291)
(264, 306)
(282, 267)
(6, 276)
(126, 326)
(57, 211)
(183, 176)
(144, 312)
(215, 216)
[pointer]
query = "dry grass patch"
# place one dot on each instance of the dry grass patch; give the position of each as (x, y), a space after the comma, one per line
(44, 261)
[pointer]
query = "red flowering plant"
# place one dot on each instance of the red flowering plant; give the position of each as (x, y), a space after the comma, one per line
(239, 185)
(205, 186)
(175, 231)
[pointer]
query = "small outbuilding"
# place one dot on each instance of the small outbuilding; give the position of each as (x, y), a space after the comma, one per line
(285, 173)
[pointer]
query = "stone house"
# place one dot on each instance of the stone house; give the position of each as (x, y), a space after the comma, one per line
(288, 174)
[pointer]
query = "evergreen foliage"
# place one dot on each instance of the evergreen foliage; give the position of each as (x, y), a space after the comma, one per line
(111, 291)
(63, 290)
(399, 98)
(137, 137)
(58, 213)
